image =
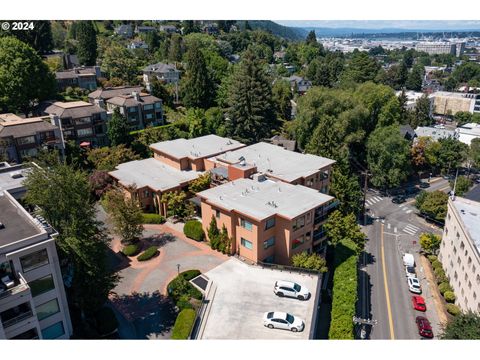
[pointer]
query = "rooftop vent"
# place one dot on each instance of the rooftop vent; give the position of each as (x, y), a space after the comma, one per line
(16, 175)
(272, 204)
(473, 214)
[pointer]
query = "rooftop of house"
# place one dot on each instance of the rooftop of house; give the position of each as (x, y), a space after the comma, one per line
(470, 128)
(130, 100)
(18, 223)
(262, 199)
(160, 68)
(152, 173)
(469, 212)
(274, 160)
(14, 126)
(76, 72)
(458, 95)
(73, 109)
(434, 133)
(200, 147)
(111, 92)
(12, 177)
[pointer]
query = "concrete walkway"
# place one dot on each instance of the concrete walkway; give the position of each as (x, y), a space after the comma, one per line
(437, 297)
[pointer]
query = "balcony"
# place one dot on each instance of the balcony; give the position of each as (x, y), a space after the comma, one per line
(16, 314)
(14, 286)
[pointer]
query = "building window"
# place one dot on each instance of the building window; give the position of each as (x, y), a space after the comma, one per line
(459, 261)
(217, 214)
(469, 260)
(469, 284)
(462, 245)
(26, 140)
(466, 277)
(449, 217)
(247, 244)
(83, 121)
(308, 236)
(458, 236)
(41, 285)
(54, 331)
(148, 116)
(47, 309)
(35, 260)
(454, 250)
(309, 217)
(28, 152)
(474, 296)
(298, 241)
(246, 224)
(270, 223)
(455, 276)
(132, 109)
(158, 105)
(84, 132)
(299, 223)
(148, 107)
(474, 269)
(269, 242)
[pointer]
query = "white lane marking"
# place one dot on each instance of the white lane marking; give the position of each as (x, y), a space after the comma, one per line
(394, 229)
(412, 227)
(408, 211)
(378, 198)
(408, 231)
(388, 226)
(368, 202)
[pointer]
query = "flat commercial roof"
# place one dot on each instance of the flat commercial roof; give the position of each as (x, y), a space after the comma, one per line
(434, 133)
(469, 212)
(17, 225)
(200, 147)
(276, 161)
(9, 183)
(261, 200)
(152, 173)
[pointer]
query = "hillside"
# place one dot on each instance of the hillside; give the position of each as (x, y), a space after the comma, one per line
(286, 32)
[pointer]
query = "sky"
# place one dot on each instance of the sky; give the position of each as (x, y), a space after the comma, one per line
(383, 24)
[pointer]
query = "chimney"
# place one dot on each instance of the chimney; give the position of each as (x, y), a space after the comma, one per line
(136, 95)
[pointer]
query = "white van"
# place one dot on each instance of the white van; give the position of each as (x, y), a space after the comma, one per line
(408, 260)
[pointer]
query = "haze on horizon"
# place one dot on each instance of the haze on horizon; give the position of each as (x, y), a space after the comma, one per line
(446, 25)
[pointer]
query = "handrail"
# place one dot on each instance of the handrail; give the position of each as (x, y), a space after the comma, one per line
(22, 286)
(17, 319)
(288, 268)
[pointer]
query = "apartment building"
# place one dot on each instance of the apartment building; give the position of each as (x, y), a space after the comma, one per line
(449, 103)
(22, 138)
(433, 48)
(175, 165)
(268, 221)
(466, 133)
(460, 251)
(79, 121)
(83, 77)
(275, 163)
(33, 302)
(100, 96)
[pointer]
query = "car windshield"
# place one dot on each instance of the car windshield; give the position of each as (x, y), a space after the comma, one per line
(290, 318)
(269, 315)
(410, 269)
(297, 287)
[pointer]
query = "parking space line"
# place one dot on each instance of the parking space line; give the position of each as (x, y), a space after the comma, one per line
(388, 226)
(395, 229)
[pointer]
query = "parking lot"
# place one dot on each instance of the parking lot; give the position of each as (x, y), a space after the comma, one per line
(244, 293)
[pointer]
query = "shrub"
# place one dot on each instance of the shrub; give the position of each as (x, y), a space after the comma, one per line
(444, 287)
(441, 278)
(106, 321)
(449, 296)
(148, 254)
(437, 265)
(184, 303)
(453, 309)
(439, 272)
(131, 250)
(183, 324)
(190, 274)
(153, 219)
(180, 286)
(431, 258)
(193, 230)
(344, 290)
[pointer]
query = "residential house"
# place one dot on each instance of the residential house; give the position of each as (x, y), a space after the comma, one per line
(98, 97)
(460, 251)
(124, 30)
(407, 132)
(33, 303)
(299, 84)
(22, 138)
(144, 29)
(165, 73)
(268, 221)
(169, 29)
(210, 29)
(435, 133)
(137, 44)
(79, 121)
(82, 77)
(140, 109)
(279, 56)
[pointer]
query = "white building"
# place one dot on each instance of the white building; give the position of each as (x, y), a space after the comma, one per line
(436, 48)
(33, 303)
(468, 132)
(460, 251)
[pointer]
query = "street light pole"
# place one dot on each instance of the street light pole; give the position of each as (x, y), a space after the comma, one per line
(178, 269)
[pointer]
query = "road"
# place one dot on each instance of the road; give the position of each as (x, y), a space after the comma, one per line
(393, 230)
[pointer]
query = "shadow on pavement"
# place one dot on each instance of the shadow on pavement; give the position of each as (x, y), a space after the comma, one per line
(364, 293)
(160, 240)
(144, 315)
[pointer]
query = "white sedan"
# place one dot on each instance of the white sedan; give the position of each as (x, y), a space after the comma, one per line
(414, 285)
(291, 289)
(282, 320)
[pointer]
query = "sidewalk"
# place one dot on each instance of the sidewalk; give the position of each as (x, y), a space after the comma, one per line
(437, 299)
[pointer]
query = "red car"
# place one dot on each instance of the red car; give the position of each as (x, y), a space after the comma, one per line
(424, 327)
(419, 303)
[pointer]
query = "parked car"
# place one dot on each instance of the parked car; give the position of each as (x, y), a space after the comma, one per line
(424, 327)
(291, 289)
(398, 199)
(410, 271)
(282, 320)
(424, 185)
(414, 285)
(419, 303)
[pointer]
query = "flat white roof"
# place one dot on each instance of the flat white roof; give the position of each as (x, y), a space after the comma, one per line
(152, 173)
(434, 133)
(261, 200)
(274, 160)
(469, 212)
(200, 147)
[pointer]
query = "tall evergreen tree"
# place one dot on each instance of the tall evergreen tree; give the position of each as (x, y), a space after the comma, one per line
(40, 37)
(415, 78)
(118, 130)
(87, 43)
(197, 86)
(311, 38)
(422, 113)
(247, 25)
(251, 115)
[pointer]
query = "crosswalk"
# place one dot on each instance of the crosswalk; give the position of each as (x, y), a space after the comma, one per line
(411, 229)
(373, 200)
(405, 208)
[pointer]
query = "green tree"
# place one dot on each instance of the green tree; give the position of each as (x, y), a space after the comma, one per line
(25, 79)
(107, 158)
(63, 194)
(125, 214)
(465, 326)
(87, 43)
(340, 227)
(197, 87)
(433, 204)
(415, 78)
(345, 187)
(175, 49)
(196, 121)
(450, 154)
(39, 38)
(422, 115)
(160, 90)
(388, 157)
(462, 185)
(152, 40)
(361, 68)
(430, 243)
(282, 96)
(311, 38)
(462, 117)
(251, 115)
(213, 233)
(118, 62)
(312, 261)
(118, 130)
(201, 183)
(177, 204)
(474, 154)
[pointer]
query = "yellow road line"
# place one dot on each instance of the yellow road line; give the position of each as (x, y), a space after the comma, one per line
(389, 309)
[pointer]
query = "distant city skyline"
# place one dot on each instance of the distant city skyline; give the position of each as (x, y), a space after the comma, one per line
(446, 25)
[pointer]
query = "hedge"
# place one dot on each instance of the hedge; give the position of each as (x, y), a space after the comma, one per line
(449, 296)
(439, 272)
(344, 291)
(148, 254)
(193, 230)
(183, 324)
(130, 250)
(431, 258)
(180, 286)
(190, 274)
(184, 303)
(444, 287)
(453, 309)
(153, 219)
(441, 278)
(437, 265)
